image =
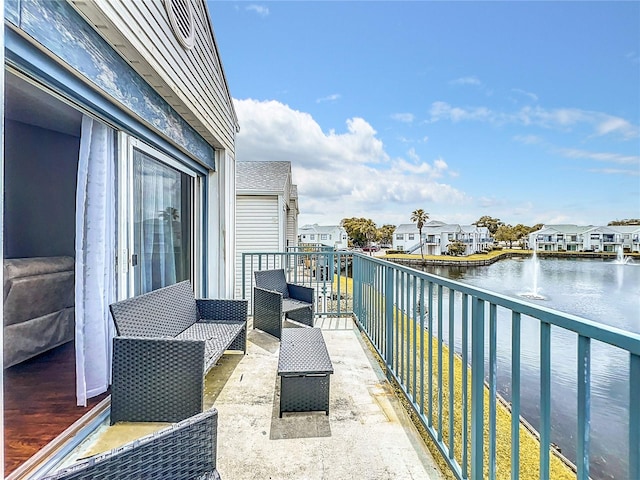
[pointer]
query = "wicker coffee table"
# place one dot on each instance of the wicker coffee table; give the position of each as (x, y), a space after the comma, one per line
(304, 367)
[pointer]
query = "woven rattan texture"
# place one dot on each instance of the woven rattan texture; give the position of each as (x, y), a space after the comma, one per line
(222, 310)
(218, 338)
(304, 367)
(156, 379)
(186, 451)
(304, 394)
(157, 376)
(162, 313)
(272, 280)
(270, 306)
(267, 311)
(303, 351)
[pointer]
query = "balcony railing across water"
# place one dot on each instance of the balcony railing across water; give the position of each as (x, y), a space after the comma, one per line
(439, 341)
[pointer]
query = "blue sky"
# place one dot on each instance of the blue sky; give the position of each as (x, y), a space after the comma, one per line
(524, 111)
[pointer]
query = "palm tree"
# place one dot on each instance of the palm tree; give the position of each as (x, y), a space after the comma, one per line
(368, 229)
(419, 216)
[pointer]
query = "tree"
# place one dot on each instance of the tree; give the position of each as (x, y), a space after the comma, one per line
(629, 221)
(368, 229)
(351, 226)
(506, 233)
(491, 223)
(456, 248)
(385, 234)
(419, 217)
(362, 231)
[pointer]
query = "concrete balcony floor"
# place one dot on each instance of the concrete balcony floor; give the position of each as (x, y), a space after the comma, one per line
(367, 434)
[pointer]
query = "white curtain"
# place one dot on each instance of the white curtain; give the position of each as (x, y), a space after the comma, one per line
(95, 259)
(158, 203)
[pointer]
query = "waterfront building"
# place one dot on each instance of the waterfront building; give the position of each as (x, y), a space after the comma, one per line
(436, 237)
(334, 236)
(589, 238)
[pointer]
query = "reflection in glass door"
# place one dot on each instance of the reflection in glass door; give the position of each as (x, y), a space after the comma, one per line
(162, 224)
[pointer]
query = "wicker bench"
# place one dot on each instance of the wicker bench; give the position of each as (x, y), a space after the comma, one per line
(274, 300)
(186, 450)
(304, 367)
(166, 343)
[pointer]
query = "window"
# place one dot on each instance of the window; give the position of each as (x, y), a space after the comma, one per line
(399, 236)
(312, 236)
(323, 236)
(160, 219)
(411, 236)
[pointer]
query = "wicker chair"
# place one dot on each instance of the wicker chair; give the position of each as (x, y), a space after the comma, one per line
(274, 300)
(185, 451)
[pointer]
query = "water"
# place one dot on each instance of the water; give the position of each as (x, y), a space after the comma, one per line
(603, 291)
(620, 258)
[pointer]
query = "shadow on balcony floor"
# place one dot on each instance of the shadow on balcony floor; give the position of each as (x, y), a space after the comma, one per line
(367, 434)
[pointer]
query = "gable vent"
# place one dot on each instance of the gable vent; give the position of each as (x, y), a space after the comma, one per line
(180, 15)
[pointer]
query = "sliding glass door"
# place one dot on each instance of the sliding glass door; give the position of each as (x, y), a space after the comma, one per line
(161, 207)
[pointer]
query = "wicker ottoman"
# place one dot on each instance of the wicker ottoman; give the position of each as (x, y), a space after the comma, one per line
(304, 367)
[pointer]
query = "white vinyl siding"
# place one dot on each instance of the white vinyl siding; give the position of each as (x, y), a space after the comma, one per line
(192, 81)
(257, 229)
(292, 229)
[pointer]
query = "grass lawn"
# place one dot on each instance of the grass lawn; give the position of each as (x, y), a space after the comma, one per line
(529, 446)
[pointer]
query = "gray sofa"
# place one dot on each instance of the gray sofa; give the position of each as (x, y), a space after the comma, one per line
(39, 311)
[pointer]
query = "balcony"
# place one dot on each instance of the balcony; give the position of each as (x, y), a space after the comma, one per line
(396, 388)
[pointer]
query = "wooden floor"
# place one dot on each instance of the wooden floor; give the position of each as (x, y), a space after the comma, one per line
(39, 403)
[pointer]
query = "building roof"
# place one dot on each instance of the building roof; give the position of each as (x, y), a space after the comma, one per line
(315, 228)
(263, 177)
(406, 228)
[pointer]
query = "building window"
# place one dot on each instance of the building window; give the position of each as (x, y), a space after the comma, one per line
(312, 236)
(323, 236)
(399, 236)
(411, 236)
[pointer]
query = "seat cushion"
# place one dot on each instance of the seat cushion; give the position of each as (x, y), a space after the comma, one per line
(217, 337)
(291, 305)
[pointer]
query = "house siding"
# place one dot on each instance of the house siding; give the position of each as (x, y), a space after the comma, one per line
(192, 81)
(257, 229)
(292, 228)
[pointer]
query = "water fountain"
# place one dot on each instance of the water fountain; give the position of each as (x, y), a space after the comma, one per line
(620, 258)
(534, 267)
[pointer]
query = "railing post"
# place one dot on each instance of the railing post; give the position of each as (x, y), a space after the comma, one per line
(634, 416)
(477, 389)
(388, 303)
(584, 406)
(356, 275)
(244, 275)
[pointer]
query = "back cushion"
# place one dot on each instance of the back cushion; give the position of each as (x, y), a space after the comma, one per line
(162, 313)
(272, 280)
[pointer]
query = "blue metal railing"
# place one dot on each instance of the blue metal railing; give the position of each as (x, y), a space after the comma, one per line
(439, 341)
(327, 271)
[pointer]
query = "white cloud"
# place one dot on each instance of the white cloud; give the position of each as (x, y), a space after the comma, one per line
(259, 9)
(531, 96)
(444, 111)
(471, 80)
(403, 117)
(560, 118)
(616, 171)
(340, 174)
(528, 139)
(601, 156)
(329, 98)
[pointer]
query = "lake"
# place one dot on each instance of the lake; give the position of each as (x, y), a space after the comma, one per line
(603, 291)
